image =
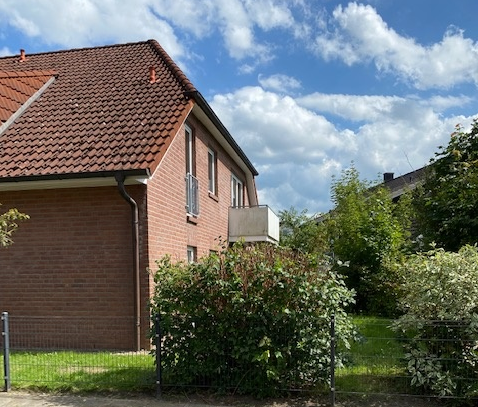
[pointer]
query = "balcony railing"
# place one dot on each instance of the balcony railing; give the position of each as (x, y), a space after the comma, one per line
(192, 194)
(253, 224)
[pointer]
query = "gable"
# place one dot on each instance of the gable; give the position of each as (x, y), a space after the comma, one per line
(102, 113)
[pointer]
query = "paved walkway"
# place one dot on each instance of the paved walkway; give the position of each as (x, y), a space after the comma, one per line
(22, 399)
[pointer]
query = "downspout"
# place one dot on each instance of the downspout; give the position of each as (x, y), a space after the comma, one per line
(120, 178)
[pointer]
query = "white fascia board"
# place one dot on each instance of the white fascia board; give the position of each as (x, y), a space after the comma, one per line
(69, 183)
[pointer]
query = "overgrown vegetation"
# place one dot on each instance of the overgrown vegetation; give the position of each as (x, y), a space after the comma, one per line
(448, 201)
(251, 318)
(365, 235)
(441, 321)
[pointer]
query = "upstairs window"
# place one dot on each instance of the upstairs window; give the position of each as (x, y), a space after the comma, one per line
(192, 184)
(212, 171)
(237, 192)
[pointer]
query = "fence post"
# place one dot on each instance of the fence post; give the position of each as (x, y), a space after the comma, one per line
(6, 351)
(157, 343)
(332, 360)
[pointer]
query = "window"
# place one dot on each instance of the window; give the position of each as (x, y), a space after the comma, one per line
(192, 254)
(237, 192)
(212, 171)
(190, 151)
(192, 184)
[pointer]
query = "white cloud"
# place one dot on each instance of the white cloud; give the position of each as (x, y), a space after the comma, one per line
(298, 149)
(5, 52)
(78, 23)
(279, 83)
(351, 107)
(269, 14)
(360, 35)
(275, 128)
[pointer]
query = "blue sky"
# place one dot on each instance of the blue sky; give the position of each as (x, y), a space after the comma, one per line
(305, 87)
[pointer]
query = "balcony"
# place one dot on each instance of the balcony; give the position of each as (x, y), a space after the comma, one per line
(253, 224)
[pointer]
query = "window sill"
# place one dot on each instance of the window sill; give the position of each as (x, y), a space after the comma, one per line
(213, 196)
(192, 219)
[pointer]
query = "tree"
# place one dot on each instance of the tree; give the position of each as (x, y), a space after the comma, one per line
(448, 200)
(9, 224)
(299, 231)
(367, 232)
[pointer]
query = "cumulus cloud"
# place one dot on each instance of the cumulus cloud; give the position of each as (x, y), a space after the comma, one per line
(279, 83)
(358, 34)
(79, 23)
(275, 128)
(298, 147)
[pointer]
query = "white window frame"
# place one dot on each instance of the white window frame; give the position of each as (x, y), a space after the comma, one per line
(189, 150)
(237, 192)
(192, 183)
(212, 170)
(191, 254)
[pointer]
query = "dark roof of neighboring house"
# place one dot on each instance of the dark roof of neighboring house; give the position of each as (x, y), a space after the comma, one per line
(93, 111)
(399, 185)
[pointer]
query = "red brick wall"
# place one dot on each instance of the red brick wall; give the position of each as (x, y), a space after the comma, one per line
(170, 232)
(72, 258)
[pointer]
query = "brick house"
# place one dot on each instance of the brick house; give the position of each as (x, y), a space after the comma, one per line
(118, 160)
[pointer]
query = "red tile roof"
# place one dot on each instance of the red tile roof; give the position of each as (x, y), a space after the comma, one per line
(102, 113)
(18, 87)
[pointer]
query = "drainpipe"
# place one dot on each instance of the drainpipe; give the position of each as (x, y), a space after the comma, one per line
(120, 178)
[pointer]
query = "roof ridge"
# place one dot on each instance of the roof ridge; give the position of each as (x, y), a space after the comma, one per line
(61, 51)
(173, 67)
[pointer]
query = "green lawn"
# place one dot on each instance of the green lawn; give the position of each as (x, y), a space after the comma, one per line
(82, 371)
(375, 363)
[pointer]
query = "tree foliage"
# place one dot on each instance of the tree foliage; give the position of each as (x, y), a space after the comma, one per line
(448, 200)
(299, 231)
(441, 320)
(252, 318)
(367, 233)
(9, 224)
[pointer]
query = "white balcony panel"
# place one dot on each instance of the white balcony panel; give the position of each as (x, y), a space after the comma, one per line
(253, 224)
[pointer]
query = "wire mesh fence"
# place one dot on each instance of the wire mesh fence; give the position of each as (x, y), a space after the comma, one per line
(430, 358)
(420, 358)
(60, 353)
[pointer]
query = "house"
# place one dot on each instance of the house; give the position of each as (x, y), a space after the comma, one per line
(118, 160)
(403, 183)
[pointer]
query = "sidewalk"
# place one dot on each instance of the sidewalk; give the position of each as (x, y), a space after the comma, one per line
(24, 399)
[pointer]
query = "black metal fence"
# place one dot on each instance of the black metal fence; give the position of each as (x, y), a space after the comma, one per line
(59, 353)
(381, 360)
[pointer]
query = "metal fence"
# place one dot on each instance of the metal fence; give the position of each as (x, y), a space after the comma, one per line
(59, 353)
(432, 359)
(381, 360)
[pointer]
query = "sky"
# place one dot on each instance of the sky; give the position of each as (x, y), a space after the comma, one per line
(306, 87)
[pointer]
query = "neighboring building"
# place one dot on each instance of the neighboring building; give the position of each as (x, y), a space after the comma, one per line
(118, 160)
(403, 183)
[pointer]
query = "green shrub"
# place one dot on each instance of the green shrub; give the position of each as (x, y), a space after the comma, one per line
(252, 318)
(441, 321)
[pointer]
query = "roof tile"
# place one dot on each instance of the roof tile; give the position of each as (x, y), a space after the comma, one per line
(100, 114)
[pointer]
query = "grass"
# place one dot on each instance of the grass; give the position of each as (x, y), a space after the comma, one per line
(82, 371)
(375, 362)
